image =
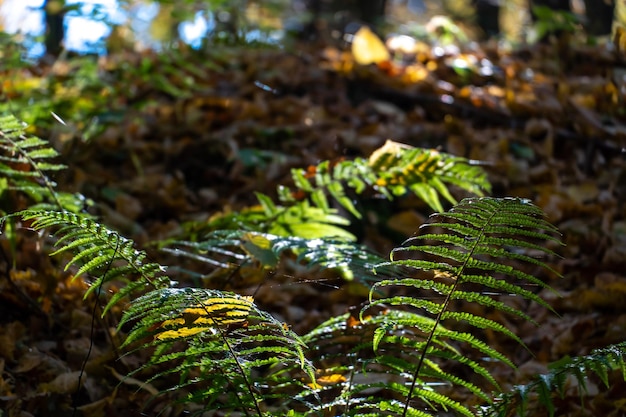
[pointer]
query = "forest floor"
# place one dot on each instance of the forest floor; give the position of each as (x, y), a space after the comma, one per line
(186, 135)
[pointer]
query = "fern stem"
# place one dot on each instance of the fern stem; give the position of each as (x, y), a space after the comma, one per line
(92, 331)
(350, 383)
(446, 303)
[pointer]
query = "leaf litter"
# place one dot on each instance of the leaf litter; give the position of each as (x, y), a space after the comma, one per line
(183, 136)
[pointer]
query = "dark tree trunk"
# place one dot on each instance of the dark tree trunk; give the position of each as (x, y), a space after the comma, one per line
(336, 14)
(599, 16)
(371, 12)
(55, 27)
(488, 17)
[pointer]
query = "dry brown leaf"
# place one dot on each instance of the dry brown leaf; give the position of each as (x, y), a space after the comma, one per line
(584, 192)
(98, 408)
(128, 206)
(10, 334)
(66, 383)
(406, 222)
(28, 361)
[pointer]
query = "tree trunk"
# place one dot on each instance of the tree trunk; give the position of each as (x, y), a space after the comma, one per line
(327, 15)
(599, 16)
(488, 17)
(54, 11)
(371, 12)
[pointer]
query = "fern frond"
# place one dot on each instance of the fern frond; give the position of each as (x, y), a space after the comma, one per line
(232, 248)
(98, 251)
(26, 163)
(464, 262)
(307, 221)
(376, 365)
(302, 220)
(564, 374)
(394, 169)
(234, 350)
(425, 172)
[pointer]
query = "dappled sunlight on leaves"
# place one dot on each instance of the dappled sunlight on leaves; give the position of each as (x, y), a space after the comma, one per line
(173, 145)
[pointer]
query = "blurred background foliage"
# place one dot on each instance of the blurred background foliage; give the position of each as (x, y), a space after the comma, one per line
(35, 33)
(101, 26)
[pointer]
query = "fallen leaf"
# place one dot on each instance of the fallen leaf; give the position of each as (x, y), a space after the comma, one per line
(368, 48)
(66, 383)
(10, 334)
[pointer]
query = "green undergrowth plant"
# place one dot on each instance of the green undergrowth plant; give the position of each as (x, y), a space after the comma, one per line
(307, 219)
(26, 165)
(75, 90)
(550, 22)
(416, 326)
(564, 374)
(420, 346)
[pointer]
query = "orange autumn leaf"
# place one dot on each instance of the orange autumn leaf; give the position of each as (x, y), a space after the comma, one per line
(327, 380)
(310, 171)
(353, 322)
(368, 48)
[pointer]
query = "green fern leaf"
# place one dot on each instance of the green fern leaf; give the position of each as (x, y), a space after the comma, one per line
(234, 349)
(544, 391)
(602, 362)
(392, 170)
(459, 264)
(26, 166)
(229, 248)
(402, 168)
(376, 353)
(96, 248)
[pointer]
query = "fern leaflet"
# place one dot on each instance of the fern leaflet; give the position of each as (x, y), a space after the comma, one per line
(230, 249)
(394, 169)
(425, 172)
(374, 355)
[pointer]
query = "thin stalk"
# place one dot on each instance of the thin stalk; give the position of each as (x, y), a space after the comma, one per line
(444, 308)
(236, 358)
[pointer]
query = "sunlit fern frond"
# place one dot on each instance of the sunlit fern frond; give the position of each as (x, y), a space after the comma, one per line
(365, 366)
(98, 251)
(26, 163)
(301, 220)
(608, 364)
(394, 169)
(477, 252)
(426, 172)
(328, 178)
(229, 249)
(221, 350)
